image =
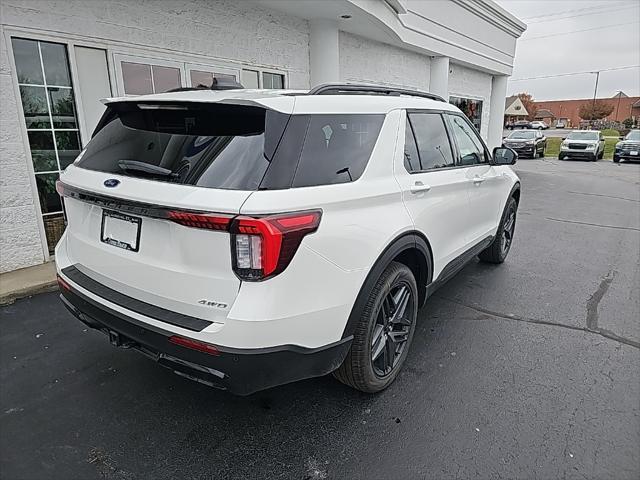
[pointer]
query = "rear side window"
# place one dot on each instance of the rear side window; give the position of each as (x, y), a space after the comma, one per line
(336, 148)
(431, 136)
(230, 146)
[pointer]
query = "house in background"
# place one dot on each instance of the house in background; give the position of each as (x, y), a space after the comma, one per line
(567, 110)
(546, 116)
(514, 110)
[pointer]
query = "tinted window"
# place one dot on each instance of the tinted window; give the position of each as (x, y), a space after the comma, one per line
(434, 149)
(469, 144)
(411, 158)
(215, 146)
(231, 146)
(336, 148)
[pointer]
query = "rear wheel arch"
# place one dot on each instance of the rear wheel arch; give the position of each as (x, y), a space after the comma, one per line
(411, 249)
(515, 193)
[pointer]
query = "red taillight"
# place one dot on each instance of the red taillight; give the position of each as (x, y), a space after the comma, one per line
(63, 284)
(194, 345)
(264, 246)
(200, 220)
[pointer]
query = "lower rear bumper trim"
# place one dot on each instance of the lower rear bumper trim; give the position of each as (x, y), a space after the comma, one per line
(240, 371)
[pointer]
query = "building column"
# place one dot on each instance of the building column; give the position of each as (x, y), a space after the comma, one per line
(439, 81)
(324, 52)
(496, 110)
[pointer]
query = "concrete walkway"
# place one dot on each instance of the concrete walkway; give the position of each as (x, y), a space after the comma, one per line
(27, 281)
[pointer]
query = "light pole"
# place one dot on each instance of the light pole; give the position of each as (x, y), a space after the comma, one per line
(595, 92)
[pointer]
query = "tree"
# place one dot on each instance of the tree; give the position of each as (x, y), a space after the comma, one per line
(529, 105)
(594, 110)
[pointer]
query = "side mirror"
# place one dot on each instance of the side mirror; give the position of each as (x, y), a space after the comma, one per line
(621, 137)
(504, 156)
(564, 138)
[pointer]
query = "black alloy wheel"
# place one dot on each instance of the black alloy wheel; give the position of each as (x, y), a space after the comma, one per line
(391, 329)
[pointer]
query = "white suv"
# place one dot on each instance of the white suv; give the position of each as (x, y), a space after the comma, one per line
(250, 238)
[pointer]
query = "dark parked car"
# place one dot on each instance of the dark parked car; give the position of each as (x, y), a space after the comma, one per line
(628, 148)
(526, 143)
(519, 124)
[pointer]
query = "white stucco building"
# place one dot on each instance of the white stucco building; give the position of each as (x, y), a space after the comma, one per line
(58, 58)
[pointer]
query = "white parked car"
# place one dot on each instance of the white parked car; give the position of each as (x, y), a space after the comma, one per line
(582, 144)
(250, 238)
(538, 125)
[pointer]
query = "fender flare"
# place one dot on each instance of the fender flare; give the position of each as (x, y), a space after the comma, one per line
(402, 243)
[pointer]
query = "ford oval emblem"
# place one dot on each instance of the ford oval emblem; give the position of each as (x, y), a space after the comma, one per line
(111, 183)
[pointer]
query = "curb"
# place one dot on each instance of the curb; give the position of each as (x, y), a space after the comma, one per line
(11, 297)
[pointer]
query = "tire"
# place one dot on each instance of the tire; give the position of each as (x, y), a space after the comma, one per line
(359, 369)
(497, 251)
(601, 156)
(616, 159)
(542, 153)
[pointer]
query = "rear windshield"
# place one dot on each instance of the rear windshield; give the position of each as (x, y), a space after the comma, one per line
(231, 146)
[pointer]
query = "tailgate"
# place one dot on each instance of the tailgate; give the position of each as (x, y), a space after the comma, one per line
(114, 236)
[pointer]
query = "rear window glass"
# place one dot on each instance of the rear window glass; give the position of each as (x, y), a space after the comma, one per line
(231, 146)
(217, 146)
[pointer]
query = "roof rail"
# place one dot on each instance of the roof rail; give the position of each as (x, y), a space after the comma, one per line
(363, 89)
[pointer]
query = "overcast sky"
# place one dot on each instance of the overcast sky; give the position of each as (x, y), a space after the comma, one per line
(563, 52)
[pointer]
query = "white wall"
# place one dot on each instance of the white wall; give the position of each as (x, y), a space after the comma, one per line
(466, 82)
(20, 244)
(369, 61)
(218, 30)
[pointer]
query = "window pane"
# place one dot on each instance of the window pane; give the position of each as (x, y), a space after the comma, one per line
(137, 78)
(165, 78)
(49, 198)
(42, 152)
(56, 65)
(272, 80)
(34, 104)
(201, 79)
(337, 148)
(432, 139)
(62, 108)
(471, 149)
(411, 158)
(54, 228)
(212, 146)
(249, 79)
(471, 108)
(27, 59)
(68, 145)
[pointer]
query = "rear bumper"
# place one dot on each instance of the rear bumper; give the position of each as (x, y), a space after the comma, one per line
(240, 371)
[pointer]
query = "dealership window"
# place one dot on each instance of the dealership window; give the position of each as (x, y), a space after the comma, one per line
(471, 108)
(51, 119)
(272, 80)
(258, 79)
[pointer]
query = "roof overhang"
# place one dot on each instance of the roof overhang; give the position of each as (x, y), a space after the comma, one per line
(476, 33)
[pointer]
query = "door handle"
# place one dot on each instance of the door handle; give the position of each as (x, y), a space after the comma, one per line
(478, 180)
(419, 187)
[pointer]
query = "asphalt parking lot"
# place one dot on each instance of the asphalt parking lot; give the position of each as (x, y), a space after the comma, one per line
(525, 370)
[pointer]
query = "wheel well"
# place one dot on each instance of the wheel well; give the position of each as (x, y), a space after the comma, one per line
(415, 259)
(516, 196)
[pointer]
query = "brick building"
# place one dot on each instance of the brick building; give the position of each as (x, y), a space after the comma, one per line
(567, 110)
